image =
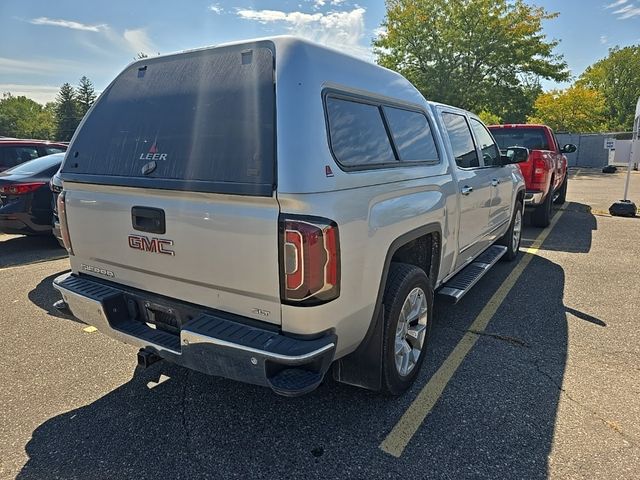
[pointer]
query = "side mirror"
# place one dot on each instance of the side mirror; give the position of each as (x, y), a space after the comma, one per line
(568, 148)
(515, 155)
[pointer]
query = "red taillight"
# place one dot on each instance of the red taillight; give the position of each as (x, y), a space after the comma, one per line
(62, 217)
(538, 168)
(310, 267)
(20, 188)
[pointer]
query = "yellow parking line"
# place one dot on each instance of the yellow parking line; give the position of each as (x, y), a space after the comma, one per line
(396, 441)
(90, 329)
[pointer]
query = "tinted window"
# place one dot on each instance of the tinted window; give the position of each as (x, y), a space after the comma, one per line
(464, 150)
(39, 165)
(12, 155)
(531, 138)
(358, 136)
(489, 149)
(412, 135)
(51, 150)
(206, 118)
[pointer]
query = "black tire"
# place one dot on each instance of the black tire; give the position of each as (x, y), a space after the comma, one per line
(562, 193)
(542, 214)
(402, 279)
(507, 239)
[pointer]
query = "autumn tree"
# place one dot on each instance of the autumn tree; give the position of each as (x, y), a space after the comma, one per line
(489, 118)
(617, 78)
(576, 109)
(85, 96)
(67, 118)
(476, 54)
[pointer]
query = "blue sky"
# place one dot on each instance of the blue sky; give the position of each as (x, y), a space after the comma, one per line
(45, 43)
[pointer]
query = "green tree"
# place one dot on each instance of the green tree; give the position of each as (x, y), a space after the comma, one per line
(45, 127)
(21, 117)
(67, 118)
(85, 95)
(576, 109)
(477, 54)
(617, 78)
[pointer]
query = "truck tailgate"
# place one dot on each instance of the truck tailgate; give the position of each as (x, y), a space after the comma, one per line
(219, 251)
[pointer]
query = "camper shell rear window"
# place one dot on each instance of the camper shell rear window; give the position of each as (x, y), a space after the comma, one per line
(200, 121)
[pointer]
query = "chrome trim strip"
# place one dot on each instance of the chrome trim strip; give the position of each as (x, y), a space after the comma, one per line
(194, 337)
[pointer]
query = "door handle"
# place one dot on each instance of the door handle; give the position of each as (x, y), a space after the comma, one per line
(466, 190)
(148, 219)
(495, 182)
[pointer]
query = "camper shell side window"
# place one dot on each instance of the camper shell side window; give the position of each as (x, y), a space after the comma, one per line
(366, 133)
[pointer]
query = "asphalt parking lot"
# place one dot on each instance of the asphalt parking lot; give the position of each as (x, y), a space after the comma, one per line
(535, 374)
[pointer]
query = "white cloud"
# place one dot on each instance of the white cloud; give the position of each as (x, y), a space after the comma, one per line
(39, 93)
(379, 32)
(131, 40)
(628, 11)
(216, 8)
(67, 24)
(615, 4)
(137, 40)
(268, 16)
(343, 30)
(604, 39)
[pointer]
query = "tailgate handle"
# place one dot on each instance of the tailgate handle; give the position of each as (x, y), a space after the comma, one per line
(148, 219)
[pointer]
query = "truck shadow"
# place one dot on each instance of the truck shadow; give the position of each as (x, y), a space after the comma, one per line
(495, 419)
(579, 236)
(21, 250)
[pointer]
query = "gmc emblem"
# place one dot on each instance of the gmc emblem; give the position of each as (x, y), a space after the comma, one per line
(153, 245)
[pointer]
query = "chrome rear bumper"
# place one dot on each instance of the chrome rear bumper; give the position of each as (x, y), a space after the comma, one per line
(533, 198)
(211, 342)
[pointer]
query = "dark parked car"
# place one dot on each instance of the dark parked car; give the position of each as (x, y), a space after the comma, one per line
(25, 196)
(15, 151)
(56, 187)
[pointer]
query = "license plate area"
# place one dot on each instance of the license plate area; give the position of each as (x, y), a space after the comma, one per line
(159, 314)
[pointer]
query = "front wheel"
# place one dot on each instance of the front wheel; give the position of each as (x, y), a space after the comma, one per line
(513, 237)
(408, 303)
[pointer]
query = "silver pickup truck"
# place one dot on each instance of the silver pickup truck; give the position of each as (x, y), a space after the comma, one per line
(269, 209)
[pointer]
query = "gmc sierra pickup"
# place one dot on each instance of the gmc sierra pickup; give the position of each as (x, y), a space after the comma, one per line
(269, 209)
(545, 171)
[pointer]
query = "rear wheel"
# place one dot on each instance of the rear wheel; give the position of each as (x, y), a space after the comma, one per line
(542, 214)
(512, 238)
(562, 193)
(408, 303)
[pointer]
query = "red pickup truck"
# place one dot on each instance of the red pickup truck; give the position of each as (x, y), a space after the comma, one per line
(545, 172)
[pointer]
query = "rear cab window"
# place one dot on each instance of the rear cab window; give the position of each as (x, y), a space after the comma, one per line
(366, 134)
(200, 121)
(462, 144)
(531, 138)
(488, 148)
